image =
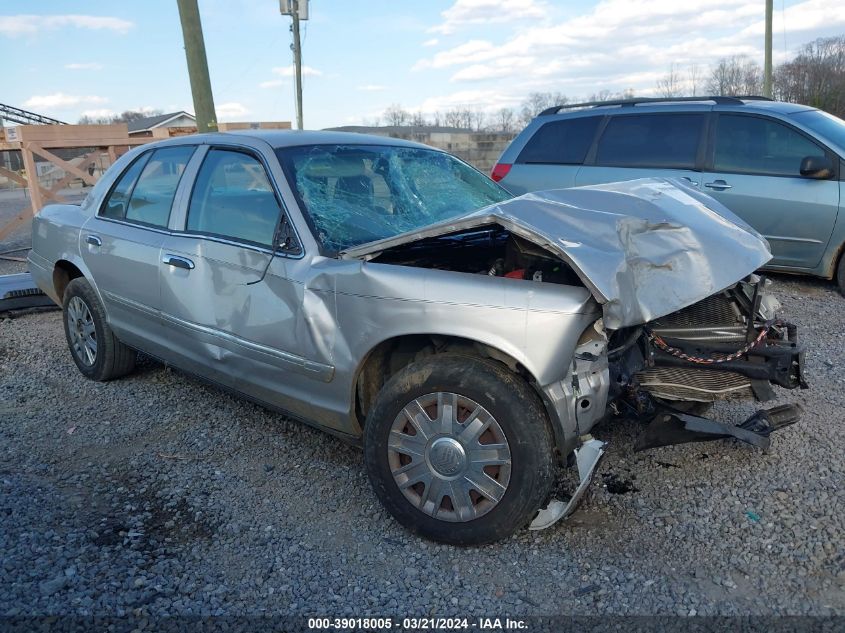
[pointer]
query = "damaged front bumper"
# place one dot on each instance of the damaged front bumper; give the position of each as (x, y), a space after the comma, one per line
(587, 458)
(675, 427)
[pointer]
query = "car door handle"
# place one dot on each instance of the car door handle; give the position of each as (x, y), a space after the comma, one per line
(718, 185)
(93, 240)
(690, 181)
(178, 262)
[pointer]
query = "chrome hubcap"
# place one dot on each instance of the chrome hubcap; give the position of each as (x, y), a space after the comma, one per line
(81, 330)
(449, 457)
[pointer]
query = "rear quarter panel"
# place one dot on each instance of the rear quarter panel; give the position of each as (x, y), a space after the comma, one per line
(55, 237)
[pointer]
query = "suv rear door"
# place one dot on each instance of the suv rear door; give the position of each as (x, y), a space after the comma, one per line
(754, 171)
(552, 155)
(647, 144)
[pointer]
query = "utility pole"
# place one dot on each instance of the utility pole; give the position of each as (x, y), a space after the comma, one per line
(189, 15)
(767, 64)
(297, 60)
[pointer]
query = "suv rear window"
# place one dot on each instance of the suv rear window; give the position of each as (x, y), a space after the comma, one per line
(651, 140)
(564, 142)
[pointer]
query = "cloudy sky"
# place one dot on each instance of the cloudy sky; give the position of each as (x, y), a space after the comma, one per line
(67, 58)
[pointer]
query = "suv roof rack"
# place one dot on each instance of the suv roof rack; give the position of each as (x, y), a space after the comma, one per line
(738, 100)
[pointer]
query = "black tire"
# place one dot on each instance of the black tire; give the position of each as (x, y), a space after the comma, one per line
(517, 410)
(112, 359)
(840, 274)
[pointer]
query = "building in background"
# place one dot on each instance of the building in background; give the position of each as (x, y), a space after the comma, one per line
(163, 125)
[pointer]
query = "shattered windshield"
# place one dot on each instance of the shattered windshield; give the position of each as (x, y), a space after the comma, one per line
(353, 194)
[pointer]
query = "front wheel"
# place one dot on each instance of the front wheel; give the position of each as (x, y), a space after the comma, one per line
(95, 349)
(459, 450)
(840, 274)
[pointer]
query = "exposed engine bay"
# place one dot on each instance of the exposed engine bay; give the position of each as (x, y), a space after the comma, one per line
(729, 346)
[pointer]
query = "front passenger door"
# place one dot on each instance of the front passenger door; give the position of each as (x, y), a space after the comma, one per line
(755, 173)
(232, 311)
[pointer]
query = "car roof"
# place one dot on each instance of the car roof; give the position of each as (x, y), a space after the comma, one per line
(294, 138)
(738, 104)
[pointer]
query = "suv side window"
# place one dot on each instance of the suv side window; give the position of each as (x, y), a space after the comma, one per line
(564, 142)
(664, 140)
(233, 198)
(756, 145)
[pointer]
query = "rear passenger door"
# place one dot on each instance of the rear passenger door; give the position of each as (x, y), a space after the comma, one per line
(755, 172)
(644, 145)
(227, 319)
(122, 243)
(552, 156)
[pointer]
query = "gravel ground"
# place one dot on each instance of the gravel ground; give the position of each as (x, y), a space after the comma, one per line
(156, 494)
(159, 494)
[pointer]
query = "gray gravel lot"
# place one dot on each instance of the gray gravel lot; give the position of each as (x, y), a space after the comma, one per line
(156, 494)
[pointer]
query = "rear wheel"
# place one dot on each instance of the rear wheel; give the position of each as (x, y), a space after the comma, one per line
(95, 349)
(840, 274)
(459, 450)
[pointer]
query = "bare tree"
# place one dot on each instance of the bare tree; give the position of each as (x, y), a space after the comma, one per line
(463, 117)
(505, 120)
(815, 77)
(479, 119)
(126, 116)
(539, 101)
(608, 95)
(418, 119)
(670, 84)
(736, 75)
(396, 115)
(694, 79)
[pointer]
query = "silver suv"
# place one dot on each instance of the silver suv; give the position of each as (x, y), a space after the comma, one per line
(778, 166)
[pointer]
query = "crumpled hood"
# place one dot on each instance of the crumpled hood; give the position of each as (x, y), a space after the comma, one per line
(644, 248)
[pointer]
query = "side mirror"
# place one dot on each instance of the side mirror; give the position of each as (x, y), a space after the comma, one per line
(816, 167)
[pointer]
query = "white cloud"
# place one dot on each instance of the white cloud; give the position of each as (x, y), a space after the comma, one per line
(471, 51)
(84, 66)
(14, 25)
(272, 83)
(432, 42)
(230, 111)
(372, 88)
(287, 71)
(476, 12)
(503, 68)
(613, 45)
(59, 101)
(487, 100)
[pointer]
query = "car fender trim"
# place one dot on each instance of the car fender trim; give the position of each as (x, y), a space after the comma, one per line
(301, 365)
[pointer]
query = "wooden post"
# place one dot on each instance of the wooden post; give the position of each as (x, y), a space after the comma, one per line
(36, 139)
(63, 164)
(32, 176)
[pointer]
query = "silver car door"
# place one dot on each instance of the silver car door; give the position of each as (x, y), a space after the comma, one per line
(229, 320)
(756, 174)
(121, 244)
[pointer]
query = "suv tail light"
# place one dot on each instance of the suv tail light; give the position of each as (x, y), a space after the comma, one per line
(500, 170)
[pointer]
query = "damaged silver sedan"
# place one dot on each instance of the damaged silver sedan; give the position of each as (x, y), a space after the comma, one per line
(394, 296)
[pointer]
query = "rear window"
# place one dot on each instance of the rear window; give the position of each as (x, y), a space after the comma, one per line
(651, 140)
(563, 142)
